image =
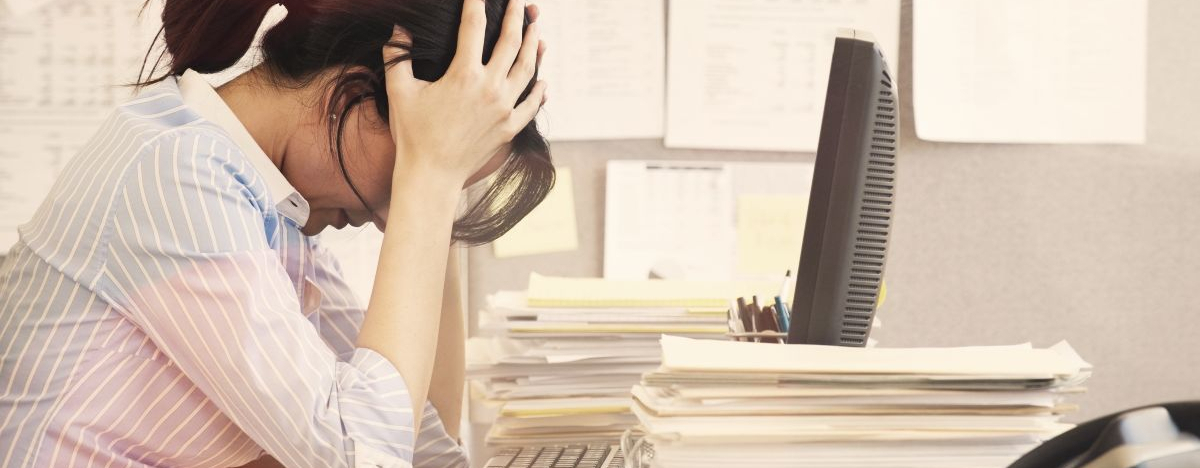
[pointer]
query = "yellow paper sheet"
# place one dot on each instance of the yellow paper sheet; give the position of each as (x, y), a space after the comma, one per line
(549, 291)
(550, 227)
(770, 232)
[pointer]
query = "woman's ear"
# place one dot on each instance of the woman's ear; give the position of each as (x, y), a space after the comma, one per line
(348, 88)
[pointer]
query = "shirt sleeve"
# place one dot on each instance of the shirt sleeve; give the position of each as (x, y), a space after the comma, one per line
(339, 320)
(341, 312)
(191, 264)
(435, 448)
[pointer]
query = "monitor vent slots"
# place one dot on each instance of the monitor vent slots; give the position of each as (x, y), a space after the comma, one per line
(874, 220)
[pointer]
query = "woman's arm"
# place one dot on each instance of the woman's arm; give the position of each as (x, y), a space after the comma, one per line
(399, 323)
(444, 131)
(449, 365)
(223, 311)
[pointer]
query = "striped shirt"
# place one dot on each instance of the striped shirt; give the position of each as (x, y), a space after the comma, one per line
(162, 308)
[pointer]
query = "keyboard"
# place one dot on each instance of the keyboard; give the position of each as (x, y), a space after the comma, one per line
(559, 456)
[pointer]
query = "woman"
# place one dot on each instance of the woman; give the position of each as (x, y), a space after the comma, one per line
(166, 307)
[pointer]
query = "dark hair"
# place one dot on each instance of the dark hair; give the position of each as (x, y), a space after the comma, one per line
(317, 35)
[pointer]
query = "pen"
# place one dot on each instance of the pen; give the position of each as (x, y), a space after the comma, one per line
(747, 317)
(787, 317)
(755, 312)
(770, 322)
(781, 312)
(783, 287)
(735, 319)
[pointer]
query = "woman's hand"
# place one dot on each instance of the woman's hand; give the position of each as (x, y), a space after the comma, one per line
(454, 125)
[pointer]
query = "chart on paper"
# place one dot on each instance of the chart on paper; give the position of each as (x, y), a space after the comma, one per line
(751, 74)
(56, 86)
(604, 66)
(704, 220)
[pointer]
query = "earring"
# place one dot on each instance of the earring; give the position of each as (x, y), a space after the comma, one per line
(332, 116)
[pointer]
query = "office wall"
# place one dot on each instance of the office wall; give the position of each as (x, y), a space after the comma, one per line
(998, 244)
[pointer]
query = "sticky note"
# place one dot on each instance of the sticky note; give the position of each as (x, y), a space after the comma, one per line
(551, 227)
(770, 232)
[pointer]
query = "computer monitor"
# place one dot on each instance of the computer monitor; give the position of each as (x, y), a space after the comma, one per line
(850, 206)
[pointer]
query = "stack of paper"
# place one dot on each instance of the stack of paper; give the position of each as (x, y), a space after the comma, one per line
(556, 362)
(723, 403)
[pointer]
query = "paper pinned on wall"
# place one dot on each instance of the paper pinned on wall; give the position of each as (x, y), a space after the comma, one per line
(678, 219)
(668, 220)
(751, 74)
(1027, 71)
(551, 227)
(56, 87)
(604, 65)
(21, 7)
(770, 232)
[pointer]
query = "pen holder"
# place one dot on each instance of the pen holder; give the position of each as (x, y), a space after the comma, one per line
(748, 321)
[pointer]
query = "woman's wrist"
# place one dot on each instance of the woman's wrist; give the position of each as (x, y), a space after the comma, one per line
(426, 184)
(427, 168)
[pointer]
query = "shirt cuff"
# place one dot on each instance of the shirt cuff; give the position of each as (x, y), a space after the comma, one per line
(367, 457)
(376, 368)
(376, 411)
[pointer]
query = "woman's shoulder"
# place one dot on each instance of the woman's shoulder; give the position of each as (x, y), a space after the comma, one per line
(157, 127)
(154, 143)
(152, 154)
(159, 112)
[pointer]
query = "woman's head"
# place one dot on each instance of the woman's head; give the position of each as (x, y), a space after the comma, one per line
(332, 48)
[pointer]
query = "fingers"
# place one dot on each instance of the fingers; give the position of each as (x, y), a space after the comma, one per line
(533, 12)
(510, 37)
(527, 109)
(520, 85)
(522, 70)
(541, 52)
(470, 35)
(400, 71)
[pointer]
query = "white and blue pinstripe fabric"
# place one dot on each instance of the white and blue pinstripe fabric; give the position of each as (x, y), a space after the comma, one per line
(161, 309)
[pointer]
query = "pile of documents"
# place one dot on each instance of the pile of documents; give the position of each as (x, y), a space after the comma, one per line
(725, 403)
(555, 363)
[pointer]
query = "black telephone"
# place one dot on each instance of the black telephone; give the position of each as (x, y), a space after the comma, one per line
(1157, 436)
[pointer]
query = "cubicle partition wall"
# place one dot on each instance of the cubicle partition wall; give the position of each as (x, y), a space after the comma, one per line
(1006, 243)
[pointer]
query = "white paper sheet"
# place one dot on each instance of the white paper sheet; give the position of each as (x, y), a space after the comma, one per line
(21, 7)
(751, 74)
(1028, 71)
(1016, 361)
(668, 221)
(62, 63)
(677, 219)
(604, 67)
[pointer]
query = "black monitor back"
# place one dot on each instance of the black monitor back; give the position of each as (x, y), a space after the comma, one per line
(850, 207)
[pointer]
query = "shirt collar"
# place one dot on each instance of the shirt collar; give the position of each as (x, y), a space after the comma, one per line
(201, 97)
